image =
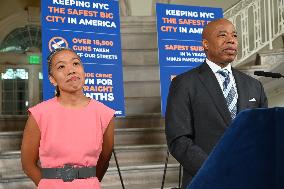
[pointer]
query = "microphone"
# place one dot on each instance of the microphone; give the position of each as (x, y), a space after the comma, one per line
(268, 74)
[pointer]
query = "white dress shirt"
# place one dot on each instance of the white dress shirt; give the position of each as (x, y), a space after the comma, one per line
(215, 68)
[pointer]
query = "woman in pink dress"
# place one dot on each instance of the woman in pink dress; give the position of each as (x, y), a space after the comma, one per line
(70, 134)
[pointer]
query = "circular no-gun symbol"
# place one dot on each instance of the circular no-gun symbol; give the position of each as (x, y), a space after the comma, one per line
(57, 42)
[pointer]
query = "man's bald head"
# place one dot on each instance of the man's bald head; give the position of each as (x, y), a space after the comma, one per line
(219, 40)
(212, 25)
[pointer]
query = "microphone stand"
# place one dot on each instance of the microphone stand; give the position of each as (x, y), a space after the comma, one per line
(165, 171)
(118, 169)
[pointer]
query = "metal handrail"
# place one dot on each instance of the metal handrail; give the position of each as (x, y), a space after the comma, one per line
(258, 23)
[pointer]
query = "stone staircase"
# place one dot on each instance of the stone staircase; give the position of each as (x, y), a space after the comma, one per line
(140, 144)
(140, 149)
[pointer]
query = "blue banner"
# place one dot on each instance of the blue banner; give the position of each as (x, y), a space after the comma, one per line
(179, 40)
(92, 30)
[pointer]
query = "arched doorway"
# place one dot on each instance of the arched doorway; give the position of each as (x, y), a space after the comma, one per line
(20, 67)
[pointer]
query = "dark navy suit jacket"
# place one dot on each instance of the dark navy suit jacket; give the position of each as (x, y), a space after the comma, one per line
(197, 114)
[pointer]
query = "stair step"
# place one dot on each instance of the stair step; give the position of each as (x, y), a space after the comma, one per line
(141, 73)
(10, 161)
(28, 184)
(142, 89)
(17, 183)
(140, 105)
(12, 123)
(10, 140)
(129, 136)
(140, 57)
(144, 41)
(144, 174)
(143, 186)
(144, 120)
(146, 154)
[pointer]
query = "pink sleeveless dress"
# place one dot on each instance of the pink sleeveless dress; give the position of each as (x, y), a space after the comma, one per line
(70, 136)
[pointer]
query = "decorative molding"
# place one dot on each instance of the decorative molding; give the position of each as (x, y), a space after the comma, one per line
(31, 16)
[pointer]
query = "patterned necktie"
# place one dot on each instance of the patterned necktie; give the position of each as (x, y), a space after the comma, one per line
(229, 92)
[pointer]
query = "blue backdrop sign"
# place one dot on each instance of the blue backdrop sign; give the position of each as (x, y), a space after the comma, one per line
(179, 40)
(92, 29)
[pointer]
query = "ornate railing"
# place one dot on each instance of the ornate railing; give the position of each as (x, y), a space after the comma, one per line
(258, 23)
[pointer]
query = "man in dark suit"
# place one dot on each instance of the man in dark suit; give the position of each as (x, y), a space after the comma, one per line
(203, 101)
